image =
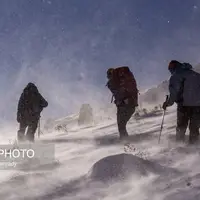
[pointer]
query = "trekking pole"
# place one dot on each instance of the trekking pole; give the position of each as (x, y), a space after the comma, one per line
(39, 128)
(162, 121)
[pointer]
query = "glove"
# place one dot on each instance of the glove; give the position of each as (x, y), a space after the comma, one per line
(165, 105)
(118, 103)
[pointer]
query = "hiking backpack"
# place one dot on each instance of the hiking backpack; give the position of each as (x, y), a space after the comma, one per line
(124, 79)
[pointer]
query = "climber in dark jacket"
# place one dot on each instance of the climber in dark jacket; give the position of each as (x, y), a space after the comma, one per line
(125, 101)
(31, 104)
(184, 89)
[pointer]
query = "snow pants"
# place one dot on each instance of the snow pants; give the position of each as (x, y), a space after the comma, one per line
(31, 125)
(124, 113)
(188, 116)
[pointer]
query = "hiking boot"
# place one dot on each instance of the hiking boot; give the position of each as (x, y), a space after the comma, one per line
(193, 139)
(180, 139)
(30, 137)
(20, 137)
(180, 136)
(123, 136)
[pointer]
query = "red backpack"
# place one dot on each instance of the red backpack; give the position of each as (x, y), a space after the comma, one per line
(125, 79)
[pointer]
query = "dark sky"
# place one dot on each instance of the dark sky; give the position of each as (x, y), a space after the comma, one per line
(74, 39)
(92, 35)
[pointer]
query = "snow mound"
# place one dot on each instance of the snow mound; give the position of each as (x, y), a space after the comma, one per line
(122, 166)
(85, 115)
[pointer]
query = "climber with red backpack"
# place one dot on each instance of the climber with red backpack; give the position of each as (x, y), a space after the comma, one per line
(123, 86)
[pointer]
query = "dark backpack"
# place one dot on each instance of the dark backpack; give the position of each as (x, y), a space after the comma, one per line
(124, 79)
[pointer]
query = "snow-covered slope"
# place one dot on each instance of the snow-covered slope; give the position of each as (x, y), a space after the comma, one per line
(91, 163)
(156, 95)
